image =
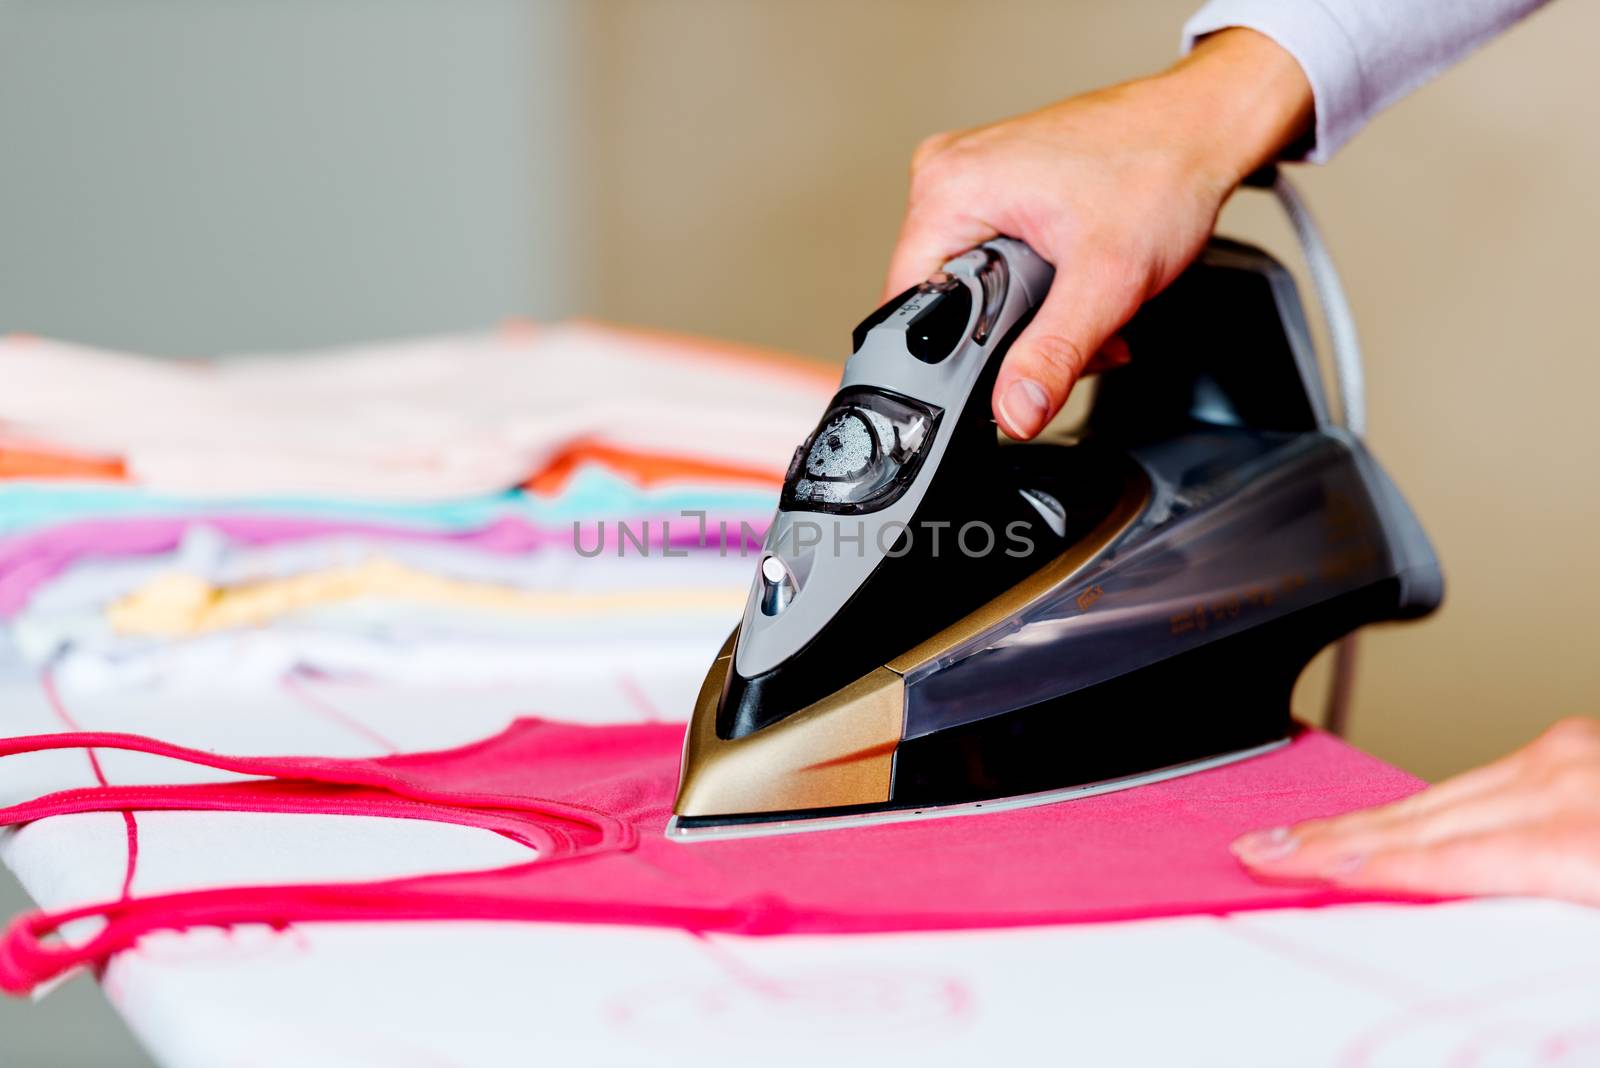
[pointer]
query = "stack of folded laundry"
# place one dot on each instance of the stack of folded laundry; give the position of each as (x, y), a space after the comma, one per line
(505, 505)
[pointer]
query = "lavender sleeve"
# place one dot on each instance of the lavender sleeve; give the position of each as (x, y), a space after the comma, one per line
(1362, 55)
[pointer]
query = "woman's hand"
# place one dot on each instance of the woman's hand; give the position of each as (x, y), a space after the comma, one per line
(1119, 189)
(1527, 824)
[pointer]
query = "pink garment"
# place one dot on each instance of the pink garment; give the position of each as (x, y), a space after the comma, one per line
(594, 801)
(30, 560)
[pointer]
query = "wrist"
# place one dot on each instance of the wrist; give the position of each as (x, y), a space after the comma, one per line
(1242, 100)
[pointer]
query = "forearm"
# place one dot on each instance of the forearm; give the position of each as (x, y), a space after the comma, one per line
(1360, 56)
(1118, 188)
(1240, 102)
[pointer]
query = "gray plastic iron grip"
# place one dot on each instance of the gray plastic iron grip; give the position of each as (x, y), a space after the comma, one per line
(955, 326)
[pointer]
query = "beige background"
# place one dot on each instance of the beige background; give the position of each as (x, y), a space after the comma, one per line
(745, 169)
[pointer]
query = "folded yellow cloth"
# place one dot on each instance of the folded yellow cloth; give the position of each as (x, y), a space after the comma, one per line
(176, 604)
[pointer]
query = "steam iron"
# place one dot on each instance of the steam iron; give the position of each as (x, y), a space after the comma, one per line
(943, 624)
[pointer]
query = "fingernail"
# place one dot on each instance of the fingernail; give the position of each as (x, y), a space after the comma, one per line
(1274, 844)
(1025, 406)
(1346, 866)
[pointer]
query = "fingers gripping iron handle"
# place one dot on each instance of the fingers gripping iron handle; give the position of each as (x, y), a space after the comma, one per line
(1255, 366)
(913, 404)
(942, 341)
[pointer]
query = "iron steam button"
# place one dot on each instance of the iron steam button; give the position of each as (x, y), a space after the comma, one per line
(941, 326)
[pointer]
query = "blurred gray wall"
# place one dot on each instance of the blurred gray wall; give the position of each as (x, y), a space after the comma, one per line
(206, 176)
(213, 176)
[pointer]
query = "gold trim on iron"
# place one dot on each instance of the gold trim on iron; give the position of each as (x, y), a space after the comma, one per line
(840, 750)
(836, 751)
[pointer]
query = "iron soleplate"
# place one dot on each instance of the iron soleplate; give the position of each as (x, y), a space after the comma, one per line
(780, 823)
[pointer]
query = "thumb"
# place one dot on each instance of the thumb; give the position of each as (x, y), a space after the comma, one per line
(1075, 322)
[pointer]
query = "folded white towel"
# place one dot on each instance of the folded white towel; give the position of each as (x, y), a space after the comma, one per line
(429, 419)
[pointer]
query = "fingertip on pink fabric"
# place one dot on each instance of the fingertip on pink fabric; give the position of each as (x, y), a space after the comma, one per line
(1265, 846)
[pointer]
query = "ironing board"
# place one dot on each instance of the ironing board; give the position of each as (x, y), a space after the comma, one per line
(1491, 982)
